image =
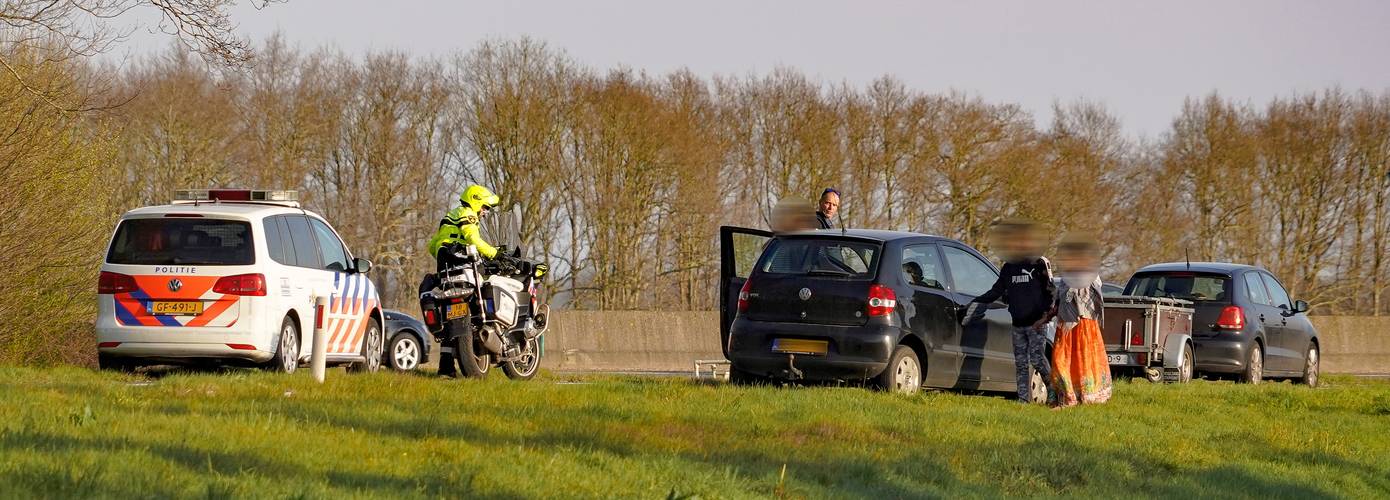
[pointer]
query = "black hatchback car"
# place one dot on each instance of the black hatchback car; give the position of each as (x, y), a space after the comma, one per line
(1243, 321)
(861, 305)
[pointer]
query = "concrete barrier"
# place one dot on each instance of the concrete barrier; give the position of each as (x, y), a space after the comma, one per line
(672, 341)
(1354, 344)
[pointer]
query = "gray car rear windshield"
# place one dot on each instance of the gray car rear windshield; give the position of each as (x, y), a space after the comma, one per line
(187, 241)
(834, 258)
(1197, 287)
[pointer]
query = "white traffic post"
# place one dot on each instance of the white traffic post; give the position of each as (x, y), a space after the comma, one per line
(316, 361)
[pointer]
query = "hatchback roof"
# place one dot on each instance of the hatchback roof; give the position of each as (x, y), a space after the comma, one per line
(1201, 267)
(869, 234)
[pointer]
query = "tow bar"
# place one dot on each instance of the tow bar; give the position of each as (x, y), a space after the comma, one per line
(791, 373)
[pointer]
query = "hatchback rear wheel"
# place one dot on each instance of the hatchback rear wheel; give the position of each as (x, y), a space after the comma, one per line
(1254, 366)
(904, 372)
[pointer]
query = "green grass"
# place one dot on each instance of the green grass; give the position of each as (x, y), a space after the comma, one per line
(69, 432)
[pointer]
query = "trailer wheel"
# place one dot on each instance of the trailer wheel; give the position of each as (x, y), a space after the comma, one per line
(1153, 374)
(1183, 373)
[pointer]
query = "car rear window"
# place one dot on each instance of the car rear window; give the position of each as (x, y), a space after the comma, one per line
(821, 257)
(187, 241)
(1197, 287)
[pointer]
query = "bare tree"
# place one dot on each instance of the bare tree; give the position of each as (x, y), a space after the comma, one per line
(79, 29)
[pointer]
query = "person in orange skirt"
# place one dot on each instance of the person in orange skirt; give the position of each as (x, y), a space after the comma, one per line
(1080, 370)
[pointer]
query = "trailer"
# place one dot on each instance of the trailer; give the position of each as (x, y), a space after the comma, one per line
(1149, 335)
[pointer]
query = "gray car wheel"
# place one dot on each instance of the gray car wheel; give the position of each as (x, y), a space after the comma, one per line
(404, 352)
(1254, 366)
(1311, 366)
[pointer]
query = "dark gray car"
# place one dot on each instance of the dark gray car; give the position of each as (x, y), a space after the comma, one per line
(1244, 322)
(406, 344)
(881, 306)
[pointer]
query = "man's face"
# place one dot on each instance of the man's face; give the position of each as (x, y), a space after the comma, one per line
(829, 204)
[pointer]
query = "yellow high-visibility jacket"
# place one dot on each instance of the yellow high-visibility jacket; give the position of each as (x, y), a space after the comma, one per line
(460, 225)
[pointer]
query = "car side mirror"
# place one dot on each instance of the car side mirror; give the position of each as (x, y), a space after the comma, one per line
(1300, 306)
(361, 265)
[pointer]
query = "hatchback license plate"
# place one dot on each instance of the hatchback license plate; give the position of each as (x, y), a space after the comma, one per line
(176, 308)
(456, 311)
(800, 346)
(1119, 359)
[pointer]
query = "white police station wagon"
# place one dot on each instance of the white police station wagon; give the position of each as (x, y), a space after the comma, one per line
(231, 276)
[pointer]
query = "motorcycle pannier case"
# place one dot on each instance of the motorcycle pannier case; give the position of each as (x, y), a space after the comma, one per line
(501, 299)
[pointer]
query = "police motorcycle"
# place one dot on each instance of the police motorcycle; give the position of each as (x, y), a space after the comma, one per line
(488, 310)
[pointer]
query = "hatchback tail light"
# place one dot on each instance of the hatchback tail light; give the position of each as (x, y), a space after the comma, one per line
(241, 284)
(1232, 318)
(882, 300)
(112, 283)
(743, 294)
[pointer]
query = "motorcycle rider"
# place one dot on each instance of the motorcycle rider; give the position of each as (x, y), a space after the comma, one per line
(460, 227)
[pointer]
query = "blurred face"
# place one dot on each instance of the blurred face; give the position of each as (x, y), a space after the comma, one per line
(1077, 261)
(829, 204)
(1018, 243)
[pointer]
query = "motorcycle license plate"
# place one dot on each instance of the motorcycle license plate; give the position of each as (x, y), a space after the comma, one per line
(176, 308)
(456, 311)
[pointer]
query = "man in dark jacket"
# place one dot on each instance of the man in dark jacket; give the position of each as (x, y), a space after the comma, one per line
(829, 206)
(1025, 284)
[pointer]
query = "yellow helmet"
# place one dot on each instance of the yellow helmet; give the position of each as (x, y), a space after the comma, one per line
(476, 197)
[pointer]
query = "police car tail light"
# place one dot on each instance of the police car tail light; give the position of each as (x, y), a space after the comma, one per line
(882, 300)
(110, 283)
(241, 284)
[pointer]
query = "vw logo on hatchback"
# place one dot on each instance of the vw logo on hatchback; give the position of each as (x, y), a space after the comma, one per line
(175, 285)
(805, 294)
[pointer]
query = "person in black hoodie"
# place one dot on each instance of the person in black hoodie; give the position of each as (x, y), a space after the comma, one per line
(1025, 284)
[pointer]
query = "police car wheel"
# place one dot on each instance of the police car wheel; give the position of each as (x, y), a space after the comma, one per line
(372, 347)
(286, 358)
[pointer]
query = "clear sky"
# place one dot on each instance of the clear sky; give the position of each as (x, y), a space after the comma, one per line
(1139, 58)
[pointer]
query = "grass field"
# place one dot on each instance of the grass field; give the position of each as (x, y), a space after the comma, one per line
(70, 432)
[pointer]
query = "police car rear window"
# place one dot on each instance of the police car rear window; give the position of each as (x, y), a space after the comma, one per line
(187, 241)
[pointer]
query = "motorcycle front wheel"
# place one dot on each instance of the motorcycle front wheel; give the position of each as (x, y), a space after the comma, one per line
(525, 366)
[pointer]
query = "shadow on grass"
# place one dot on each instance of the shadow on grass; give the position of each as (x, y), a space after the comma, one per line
(62, 482)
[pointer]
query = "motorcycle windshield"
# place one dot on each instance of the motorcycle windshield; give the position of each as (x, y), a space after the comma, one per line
(502, 226)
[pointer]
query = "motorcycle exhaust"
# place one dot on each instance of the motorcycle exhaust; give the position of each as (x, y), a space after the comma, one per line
(538, 323)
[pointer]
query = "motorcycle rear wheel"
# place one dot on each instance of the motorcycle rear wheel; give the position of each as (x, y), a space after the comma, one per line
(471, 359)
(525, 366)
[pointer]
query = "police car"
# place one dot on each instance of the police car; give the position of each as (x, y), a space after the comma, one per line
(231, 276)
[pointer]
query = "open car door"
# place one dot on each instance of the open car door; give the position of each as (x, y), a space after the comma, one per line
(739, 249)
